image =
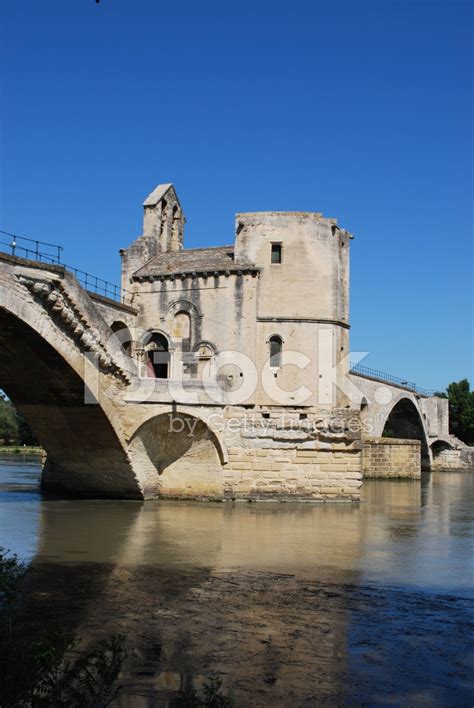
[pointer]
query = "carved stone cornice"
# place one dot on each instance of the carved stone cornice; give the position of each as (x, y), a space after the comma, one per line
(55, 299)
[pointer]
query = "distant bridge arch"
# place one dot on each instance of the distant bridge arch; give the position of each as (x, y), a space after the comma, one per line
(391, 409)
(405, 420)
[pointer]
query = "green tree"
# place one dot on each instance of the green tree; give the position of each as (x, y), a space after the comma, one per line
(8, 421)
(13, 427)
(461, 410)
(25, 434)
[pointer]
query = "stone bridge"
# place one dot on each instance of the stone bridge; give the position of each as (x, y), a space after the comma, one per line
(397, 411)
(66, 371)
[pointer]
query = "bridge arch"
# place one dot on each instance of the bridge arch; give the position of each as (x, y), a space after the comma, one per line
(440, 445)
(180, 455)
(42, 371)
(404, 420)
(78, 438)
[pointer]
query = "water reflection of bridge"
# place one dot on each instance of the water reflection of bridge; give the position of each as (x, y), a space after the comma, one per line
(273, 599)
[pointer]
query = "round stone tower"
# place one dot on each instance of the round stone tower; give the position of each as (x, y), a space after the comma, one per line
(303, 296)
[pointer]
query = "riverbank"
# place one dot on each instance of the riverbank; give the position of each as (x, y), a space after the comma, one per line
(20, 450)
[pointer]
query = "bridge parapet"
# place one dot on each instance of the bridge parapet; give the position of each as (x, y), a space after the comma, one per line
(46, 255)
(375, 375)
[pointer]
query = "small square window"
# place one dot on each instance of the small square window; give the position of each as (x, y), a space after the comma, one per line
(276, 252)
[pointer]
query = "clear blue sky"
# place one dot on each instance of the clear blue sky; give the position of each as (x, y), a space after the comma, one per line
(361, 110)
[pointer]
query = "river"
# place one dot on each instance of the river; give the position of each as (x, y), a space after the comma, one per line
(289, 604)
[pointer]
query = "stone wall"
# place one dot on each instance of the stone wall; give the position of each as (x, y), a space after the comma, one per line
(435, 411)
(285, 455)
(113, 311)
(455, 459)
(391, 457)
(298, 474)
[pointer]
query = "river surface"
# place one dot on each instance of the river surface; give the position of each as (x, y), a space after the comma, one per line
(290, 605)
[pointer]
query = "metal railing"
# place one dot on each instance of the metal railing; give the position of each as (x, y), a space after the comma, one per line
(99, 286)
(390, 379)
(43, 252)
(29, 248)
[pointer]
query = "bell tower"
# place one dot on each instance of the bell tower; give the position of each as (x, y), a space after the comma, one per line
(163, 219)
(163, 230)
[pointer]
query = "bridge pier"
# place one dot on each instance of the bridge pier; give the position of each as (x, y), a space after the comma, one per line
(385, 458)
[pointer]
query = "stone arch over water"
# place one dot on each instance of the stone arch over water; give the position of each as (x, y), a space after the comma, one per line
(181, 457)
(404, 421)
(84, 454)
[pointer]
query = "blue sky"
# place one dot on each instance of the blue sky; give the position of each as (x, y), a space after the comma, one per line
(361, 110)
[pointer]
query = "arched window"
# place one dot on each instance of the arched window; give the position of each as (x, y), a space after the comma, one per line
(204, 356)
(158, 356)
(276, 346)
(181, 325)
(123, 336)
